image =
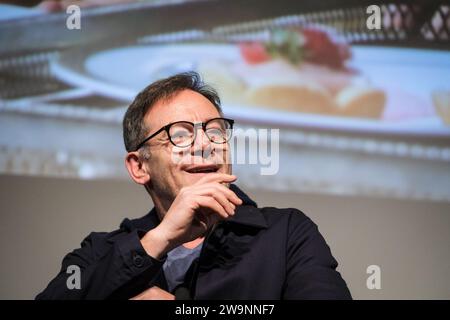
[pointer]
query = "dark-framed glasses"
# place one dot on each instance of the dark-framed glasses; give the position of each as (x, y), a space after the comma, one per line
(182, 134)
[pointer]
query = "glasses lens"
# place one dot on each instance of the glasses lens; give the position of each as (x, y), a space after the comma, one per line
(182, 134)
(218, 130)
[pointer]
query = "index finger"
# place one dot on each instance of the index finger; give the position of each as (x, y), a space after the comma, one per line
(217, 177)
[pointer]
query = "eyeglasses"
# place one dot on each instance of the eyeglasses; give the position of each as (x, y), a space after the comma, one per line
(183, 133)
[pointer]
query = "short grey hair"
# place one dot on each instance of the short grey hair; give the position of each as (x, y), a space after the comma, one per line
(134, 129)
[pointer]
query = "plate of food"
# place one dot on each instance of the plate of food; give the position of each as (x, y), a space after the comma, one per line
(295, 77)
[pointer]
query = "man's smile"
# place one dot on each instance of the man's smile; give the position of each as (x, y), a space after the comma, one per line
(201, 169)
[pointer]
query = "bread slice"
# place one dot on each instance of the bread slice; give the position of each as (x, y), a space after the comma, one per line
(358, 101)
(291, 96)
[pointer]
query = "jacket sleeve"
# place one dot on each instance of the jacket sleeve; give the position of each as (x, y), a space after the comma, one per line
(113, 265)
(310, 266)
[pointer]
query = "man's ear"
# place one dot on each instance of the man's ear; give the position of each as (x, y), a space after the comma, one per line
(136, 168)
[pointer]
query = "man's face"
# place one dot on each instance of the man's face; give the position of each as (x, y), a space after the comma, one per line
(171, 167)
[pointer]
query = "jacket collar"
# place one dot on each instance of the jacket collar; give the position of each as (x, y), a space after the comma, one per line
(246, 214)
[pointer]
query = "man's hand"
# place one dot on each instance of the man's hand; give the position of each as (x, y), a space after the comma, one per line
(195, 209)
(154, 293)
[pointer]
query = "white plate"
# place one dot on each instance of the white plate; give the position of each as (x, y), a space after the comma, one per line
(408, 76)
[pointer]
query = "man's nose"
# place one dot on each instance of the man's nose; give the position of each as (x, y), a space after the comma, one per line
(202, 144)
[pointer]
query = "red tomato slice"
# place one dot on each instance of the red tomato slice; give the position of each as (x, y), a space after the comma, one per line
(254, 52)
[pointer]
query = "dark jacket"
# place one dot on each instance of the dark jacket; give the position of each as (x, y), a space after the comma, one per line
(260, 253)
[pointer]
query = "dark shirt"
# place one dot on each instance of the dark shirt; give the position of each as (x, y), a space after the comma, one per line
(259, 253)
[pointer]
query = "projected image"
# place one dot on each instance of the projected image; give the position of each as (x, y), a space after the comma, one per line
(299, 76)
(360, 111)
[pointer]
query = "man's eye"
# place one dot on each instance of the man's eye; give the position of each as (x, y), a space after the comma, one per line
(181, 134)
(215, 130)
(215, 134)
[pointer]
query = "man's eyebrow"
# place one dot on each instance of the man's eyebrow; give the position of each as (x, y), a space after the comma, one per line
(216, 117)
(209, 119)
(203, 121)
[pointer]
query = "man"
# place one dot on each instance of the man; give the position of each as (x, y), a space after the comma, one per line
(204, 238)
